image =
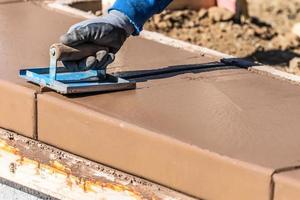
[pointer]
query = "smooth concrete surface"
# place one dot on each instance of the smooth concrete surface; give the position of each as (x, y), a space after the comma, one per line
(27, 31)
(167, 129)
(165, 107)
(140, 54)
(2, 2)
(287, 185)
(217, 135)
(148, 154)
(223, 111)
(25, 40)
(195, 132)
(17, 108)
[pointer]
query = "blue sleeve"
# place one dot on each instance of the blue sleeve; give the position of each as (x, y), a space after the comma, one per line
(139, 11)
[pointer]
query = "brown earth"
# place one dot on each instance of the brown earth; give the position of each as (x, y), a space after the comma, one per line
(265, 37)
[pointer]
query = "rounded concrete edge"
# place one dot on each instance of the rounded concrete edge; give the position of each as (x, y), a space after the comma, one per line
(211, 162)
(286, 186)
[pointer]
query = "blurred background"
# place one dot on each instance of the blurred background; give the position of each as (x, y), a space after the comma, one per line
(266, 31)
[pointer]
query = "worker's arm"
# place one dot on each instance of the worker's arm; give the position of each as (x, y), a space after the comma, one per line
(125, 18)
(139, 11)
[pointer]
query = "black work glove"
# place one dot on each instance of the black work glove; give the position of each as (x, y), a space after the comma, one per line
(109, 32)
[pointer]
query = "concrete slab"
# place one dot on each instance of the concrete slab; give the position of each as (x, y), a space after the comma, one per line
(27, 44)
(3, 2)
(148, 154)
(287, 185)
(138, 55)
(164, 128)
(230, 128)
(26, 32)
(225, 112)
(17, 108)
(195, 132)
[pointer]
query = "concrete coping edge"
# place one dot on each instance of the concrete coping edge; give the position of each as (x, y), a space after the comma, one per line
(149, 133)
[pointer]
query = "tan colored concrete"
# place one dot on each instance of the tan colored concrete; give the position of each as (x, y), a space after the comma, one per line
(24, 42)
(166, 129)
(141, 126)
(234, 113)
(140, 54)
(17, 108)
(222, 111)
(194, 132)
(27, 31)
(287, 185)
(2, 2)
(148, 154)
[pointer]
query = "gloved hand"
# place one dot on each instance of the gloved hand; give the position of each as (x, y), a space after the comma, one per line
(109, 32)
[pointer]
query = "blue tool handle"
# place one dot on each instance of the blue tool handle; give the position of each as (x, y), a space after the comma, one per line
(61, 52)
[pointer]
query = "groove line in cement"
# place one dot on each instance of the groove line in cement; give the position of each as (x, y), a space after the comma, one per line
(276, 172)
(35, 133)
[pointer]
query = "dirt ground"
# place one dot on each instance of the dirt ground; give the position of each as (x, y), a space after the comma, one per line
(265, 37)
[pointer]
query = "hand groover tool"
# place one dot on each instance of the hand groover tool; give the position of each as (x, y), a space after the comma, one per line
(63, 81)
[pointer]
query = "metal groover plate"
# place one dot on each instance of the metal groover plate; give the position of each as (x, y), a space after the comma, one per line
(76, 82)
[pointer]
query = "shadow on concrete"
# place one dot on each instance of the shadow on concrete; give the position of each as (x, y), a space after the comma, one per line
(171, 71)
(273, 57)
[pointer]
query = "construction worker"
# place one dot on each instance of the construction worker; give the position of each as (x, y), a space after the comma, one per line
(124, 18)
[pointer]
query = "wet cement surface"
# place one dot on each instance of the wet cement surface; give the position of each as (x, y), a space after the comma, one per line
(287, 185)
(27, 31)
(3, 2)
(232, 112)
(27, 44)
